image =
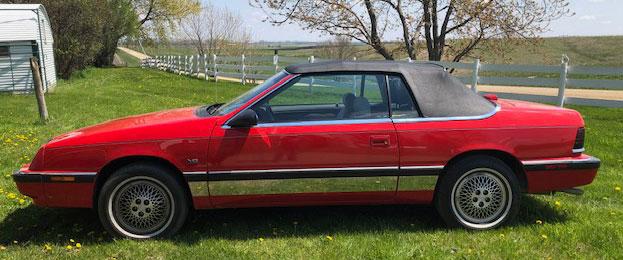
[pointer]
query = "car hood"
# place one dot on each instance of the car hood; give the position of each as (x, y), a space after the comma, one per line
(162, 125)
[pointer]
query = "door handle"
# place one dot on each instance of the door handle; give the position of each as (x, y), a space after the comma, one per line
(379, 140)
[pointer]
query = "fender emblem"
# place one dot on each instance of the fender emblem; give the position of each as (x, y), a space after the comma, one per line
(192, 161)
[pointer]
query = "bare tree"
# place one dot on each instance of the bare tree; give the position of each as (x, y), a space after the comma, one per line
(449, 28)
(215, 31)
(337, 48)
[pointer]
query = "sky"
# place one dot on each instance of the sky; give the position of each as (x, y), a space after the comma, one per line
(592, 17)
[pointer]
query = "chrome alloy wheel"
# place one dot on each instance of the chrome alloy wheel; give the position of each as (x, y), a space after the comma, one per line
(481, 198)
(141, 207)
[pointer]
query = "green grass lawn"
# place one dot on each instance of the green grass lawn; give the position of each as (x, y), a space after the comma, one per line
(588, 226)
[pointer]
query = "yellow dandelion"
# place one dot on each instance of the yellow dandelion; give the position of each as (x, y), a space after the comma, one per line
(22, 201)
(78, 245)
(557, 203)
(617, 189)
(260, 239)
(69, 247)
(72, 240)
(539, 222)
(543, 236)
(502, 235)
(330, 238)
(11, 196)
(47, 247)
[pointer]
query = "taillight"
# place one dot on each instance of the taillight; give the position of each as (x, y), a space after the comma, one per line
(578, 145)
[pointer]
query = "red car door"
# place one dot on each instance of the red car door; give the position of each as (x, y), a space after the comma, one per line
(418, 170)
(320, 139)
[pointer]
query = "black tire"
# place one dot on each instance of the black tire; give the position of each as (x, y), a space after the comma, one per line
(478, 192)
(142, 201)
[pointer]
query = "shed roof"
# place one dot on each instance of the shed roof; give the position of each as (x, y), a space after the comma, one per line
(437, 92)
(19, 6)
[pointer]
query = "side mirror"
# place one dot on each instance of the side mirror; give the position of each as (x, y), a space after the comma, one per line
(247, 118)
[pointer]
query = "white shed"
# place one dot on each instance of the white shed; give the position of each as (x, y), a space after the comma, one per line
(25, 32)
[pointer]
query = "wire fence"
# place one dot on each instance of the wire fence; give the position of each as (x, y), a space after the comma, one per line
(563, 76)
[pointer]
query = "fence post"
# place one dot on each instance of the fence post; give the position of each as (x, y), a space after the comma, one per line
(276, 62)
(242, 69)
(187, 65)
(311, 59)
(564, 67)
(475, 77)
(214, 60)
(205, 66)
(179, 65)
(193, 63)
(197, 66)
(39, 91)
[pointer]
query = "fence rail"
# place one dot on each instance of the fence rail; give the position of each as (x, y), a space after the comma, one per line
(563, 76)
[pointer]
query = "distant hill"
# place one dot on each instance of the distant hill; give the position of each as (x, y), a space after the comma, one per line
(593, 51)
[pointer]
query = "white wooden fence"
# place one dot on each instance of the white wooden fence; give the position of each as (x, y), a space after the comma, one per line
(562, 77)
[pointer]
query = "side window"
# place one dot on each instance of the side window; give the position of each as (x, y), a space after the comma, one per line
(326, 97)
(402, 103)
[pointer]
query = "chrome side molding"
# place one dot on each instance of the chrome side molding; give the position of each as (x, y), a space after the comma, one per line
(451, 118)
(563, 164)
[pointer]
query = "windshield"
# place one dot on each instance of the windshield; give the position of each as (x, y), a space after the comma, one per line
(245, 97)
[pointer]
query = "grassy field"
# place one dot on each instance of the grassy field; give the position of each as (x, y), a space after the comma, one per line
(592, 51)
(548, 226)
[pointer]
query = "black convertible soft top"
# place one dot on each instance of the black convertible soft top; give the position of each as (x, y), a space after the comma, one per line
(437, 93)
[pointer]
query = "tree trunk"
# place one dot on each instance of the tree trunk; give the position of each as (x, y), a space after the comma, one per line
(106, 55)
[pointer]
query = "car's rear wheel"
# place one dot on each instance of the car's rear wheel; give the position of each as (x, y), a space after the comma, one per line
(478, 192)
(142, 201)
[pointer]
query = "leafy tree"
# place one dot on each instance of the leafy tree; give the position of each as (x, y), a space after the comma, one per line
(150, 18)
(158, 18)
(437, 23)
(121, 21)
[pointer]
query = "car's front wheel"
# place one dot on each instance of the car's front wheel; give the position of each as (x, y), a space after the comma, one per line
(478, 192)
(142, 201)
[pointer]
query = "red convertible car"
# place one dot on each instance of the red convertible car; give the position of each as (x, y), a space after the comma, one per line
(331, 133)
